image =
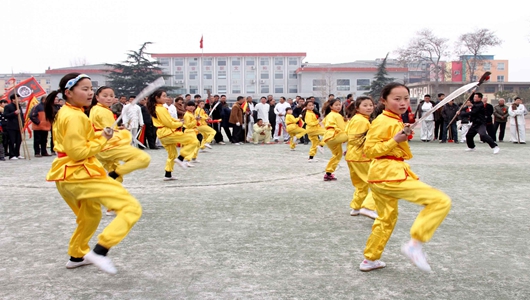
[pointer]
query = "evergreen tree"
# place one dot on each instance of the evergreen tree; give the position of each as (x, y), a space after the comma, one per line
(380, 80)
(133, 75)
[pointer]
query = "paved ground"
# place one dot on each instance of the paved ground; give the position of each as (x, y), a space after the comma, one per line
(258, 222)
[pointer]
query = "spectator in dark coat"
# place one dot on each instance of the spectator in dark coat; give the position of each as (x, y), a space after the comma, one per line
(448, 113)
(12, 127)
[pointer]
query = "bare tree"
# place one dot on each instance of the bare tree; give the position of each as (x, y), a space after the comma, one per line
(475, 44)
(78, 62)
(426, 48)
(327, 83)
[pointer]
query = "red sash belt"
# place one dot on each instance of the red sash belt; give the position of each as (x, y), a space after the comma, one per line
(330, 128)
(390, 157)
(61, 154)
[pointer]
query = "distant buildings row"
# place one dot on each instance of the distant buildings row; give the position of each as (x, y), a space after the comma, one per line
(286, 74)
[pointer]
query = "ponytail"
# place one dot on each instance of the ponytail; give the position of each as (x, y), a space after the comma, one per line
(49, 110)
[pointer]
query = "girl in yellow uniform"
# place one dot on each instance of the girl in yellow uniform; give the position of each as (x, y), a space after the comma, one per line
(391, 179)
(190, 123)
(208, 133)
(334, 137)
(362, 201)
(314, 129)
(293, 127)
(169, 133)
(119, 147)
(81, 179)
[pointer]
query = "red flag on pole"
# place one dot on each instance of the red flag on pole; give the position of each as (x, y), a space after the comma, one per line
(201, 41)
(26, 89)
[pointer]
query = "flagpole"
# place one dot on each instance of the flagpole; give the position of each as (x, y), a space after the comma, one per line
(202, 61)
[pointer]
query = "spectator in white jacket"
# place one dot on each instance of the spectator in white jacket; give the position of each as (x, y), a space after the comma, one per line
(517, 111)
(132, 120)
(280, 129)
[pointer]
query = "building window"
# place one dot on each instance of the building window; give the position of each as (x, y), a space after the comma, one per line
(292, 75)
(278, 89)
(457, 72)
(236, 61)
(508, 89)
(264, 61)
(474, 78)
(293, 61)
(193, 75)
(278, 61)
(489, 89)
(250, 75)
(251, 89)
(221, 61)
(264, 89)
(250, 62)
(221, 89)
(293, 89)
(487, 66)
(363, 84)
(278, 75)
(343, 84)
(207, 62)
(264, 75)
(192, 62)
(48, 81)
(319, 84)
(179, 62)
(179, 75)
(208, 75)
(236, 75)
(179, 89)
(194, 89)
(221, 75)
(500, 78)
(207, 88)
(500, 66)
(236, 89)
(164, 62)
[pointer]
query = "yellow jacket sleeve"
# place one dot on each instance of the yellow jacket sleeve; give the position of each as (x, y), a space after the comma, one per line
(101, 117)
(355, 128)
(189, 121)
(164, 118)
(334, 124)
(311, 119)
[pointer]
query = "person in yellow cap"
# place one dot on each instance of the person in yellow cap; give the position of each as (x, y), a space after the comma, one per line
(81, 179)
(392, 179)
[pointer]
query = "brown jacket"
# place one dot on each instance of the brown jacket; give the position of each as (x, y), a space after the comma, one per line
(236, 115)
(181, 110)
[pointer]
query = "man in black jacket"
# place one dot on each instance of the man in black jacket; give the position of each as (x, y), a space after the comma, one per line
(448, 113)
(216, 115)
(150, 129)
(477, 117)
(12, 127)
(490, 128)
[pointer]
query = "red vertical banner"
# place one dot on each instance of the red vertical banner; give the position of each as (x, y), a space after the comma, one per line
(201, 42)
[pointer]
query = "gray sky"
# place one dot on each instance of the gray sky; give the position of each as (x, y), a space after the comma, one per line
(56, 33)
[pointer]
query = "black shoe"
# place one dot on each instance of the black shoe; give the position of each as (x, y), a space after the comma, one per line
(2, 159)
(522, 143)
(38, 155)
(441, 142)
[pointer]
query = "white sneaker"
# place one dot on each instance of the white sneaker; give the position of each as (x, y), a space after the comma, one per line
(355, 212)
(369, 213)
(182, 164)
(369, 265)
(76, 264)
(496, 150)
(13, 158)
(237, 144)
(470, 149)
(320, 149)
(208, 145)
(102, 262)
(413, 251)
(293, 149)
(194, 160)
(203, 151)
(189, 164)
(222, 143)
(110, 213)
(21, 157)
(170, 178)
(310, 160)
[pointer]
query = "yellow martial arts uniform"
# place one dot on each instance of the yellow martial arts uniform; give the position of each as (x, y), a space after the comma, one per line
(190, 123)
(334, 137)
(84, 185)
(170, 134)
(391, 179)
(358, 163)
(119, 147)
(314, 130)
(294, 129)
(208, 133)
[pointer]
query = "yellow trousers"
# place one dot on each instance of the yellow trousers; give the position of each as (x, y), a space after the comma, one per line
(188, 144)
(208, 133)
(192, 135)
(362, 197)
(386, 194)
(335, 145)
(133, 158)
(85, 199)
(298, 132)
(315, 142)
